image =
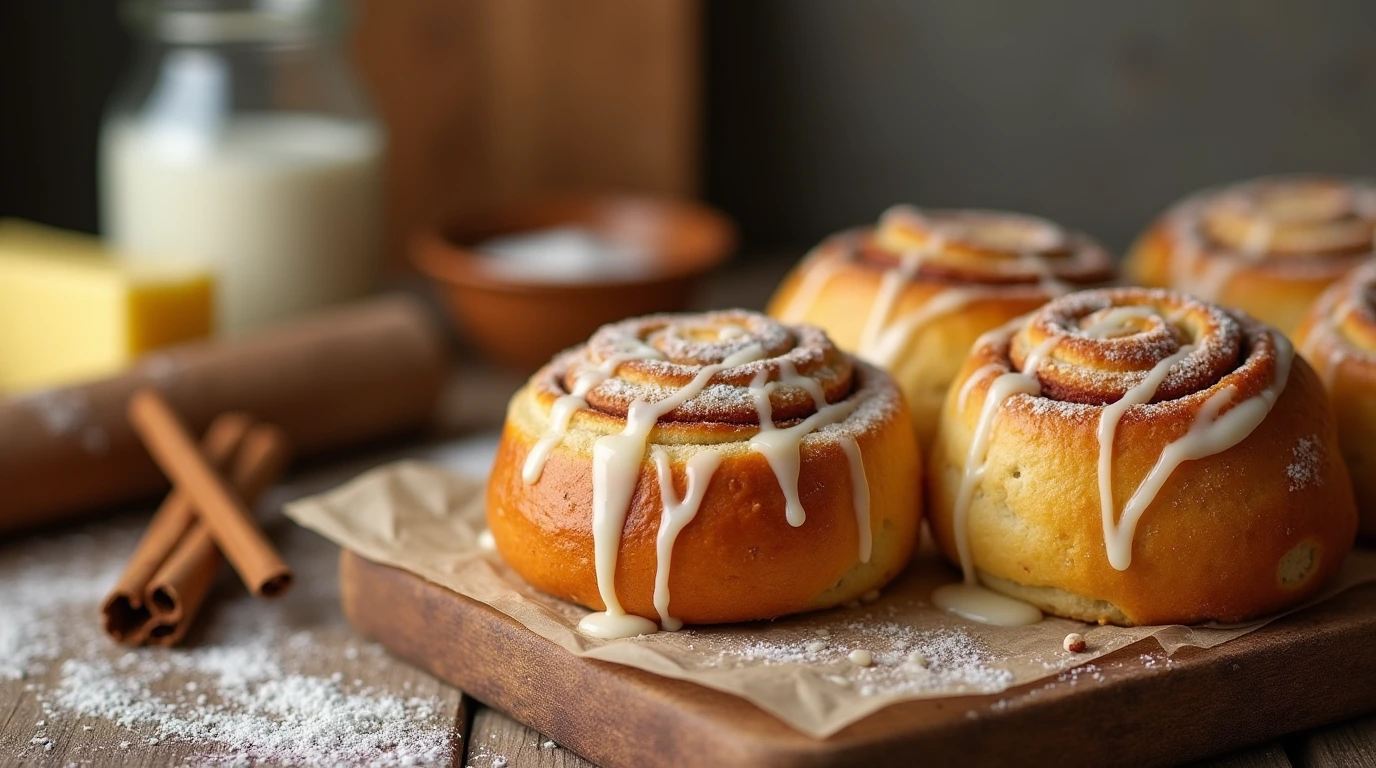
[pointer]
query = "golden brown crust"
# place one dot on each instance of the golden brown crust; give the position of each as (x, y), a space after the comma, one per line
(976, 271)
(1338, 337)
(739, 559)
(1268, 246)
(1233, 535)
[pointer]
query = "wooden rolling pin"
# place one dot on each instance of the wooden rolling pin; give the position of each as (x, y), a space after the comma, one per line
(331, 381)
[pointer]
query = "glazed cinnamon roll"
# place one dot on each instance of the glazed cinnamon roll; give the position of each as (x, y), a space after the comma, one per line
(1267, 246)
(1137, 456)
(1338, 337)
(705, 468)
(914, 292)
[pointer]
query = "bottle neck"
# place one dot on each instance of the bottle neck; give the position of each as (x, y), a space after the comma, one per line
(228, 22)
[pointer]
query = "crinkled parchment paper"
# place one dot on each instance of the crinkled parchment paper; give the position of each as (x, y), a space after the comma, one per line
(426, 520)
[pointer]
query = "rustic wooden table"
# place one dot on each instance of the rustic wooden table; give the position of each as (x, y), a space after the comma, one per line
(57, 710)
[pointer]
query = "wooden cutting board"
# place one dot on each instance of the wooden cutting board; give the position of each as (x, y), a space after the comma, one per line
(1308, 669)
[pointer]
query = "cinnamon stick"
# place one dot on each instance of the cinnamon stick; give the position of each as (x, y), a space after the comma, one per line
(221, 510)
(176, 592)
(126, 610)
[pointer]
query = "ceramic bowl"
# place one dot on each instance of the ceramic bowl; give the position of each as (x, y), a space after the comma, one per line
(523, 320)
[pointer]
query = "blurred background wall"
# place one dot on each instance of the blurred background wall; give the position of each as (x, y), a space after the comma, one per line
(797, 116)
(1093, 113)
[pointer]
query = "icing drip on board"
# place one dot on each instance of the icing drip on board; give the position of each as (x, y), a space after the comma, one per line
(616, 461)
(976, 603)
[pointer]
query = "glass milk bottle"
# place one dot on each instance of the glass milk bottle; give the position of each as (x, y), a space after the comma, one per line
(241, 141)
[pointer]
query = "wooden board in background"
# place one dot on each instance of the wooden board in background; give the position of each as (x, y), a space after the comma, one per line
(1311, 668)
(487, 101)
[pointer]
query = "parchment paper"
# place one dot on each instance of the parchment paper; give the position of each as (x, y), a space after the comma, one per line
(426, 520)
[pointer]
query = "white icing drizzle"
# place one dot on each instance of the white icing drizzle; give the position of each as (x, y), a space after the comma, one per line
(968, 599)
(561, 413)
(1213, 431)
(884, 342)
(782, 447)
(616, 464)
(789, 377)
(1115, 533)
(891, 285)
(860, 496)
(1005, 386)
(1327, 325)
(1206, 277)
(1116, 322)
(616, 461)
(677, 514)
(1210, 434)
(975, 378)
(860, 487)
(894, 339)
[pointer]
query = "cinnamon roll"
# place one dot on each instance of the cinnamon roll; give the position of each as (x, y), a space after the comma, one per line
(1267, 246)
(705, 468)
(1137, 456)
(914, 292)
(1338, 337)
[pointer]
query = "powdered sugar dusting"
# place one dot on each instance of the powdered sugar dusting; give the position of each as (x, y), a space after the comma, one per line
(904, 659)
(1306, 463)
(259, 715)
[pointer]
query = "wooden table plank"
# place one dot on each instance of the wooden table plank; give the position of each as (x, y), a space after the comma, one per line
(1348, 745)
(498, 741)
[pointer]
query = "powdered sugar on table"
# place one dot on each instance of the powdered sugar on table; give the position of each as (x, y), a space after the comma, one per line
(251, 686)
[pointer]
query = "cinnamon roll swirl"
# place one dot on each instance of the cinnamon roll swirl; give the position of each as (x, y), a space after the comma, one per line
(1137, 456)
(1267, 246)
(1338, 337)
(705, 468)
(914, 292)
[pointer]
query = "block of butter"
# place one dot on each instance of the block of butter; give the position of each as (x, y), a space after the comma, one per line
(70, 311)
